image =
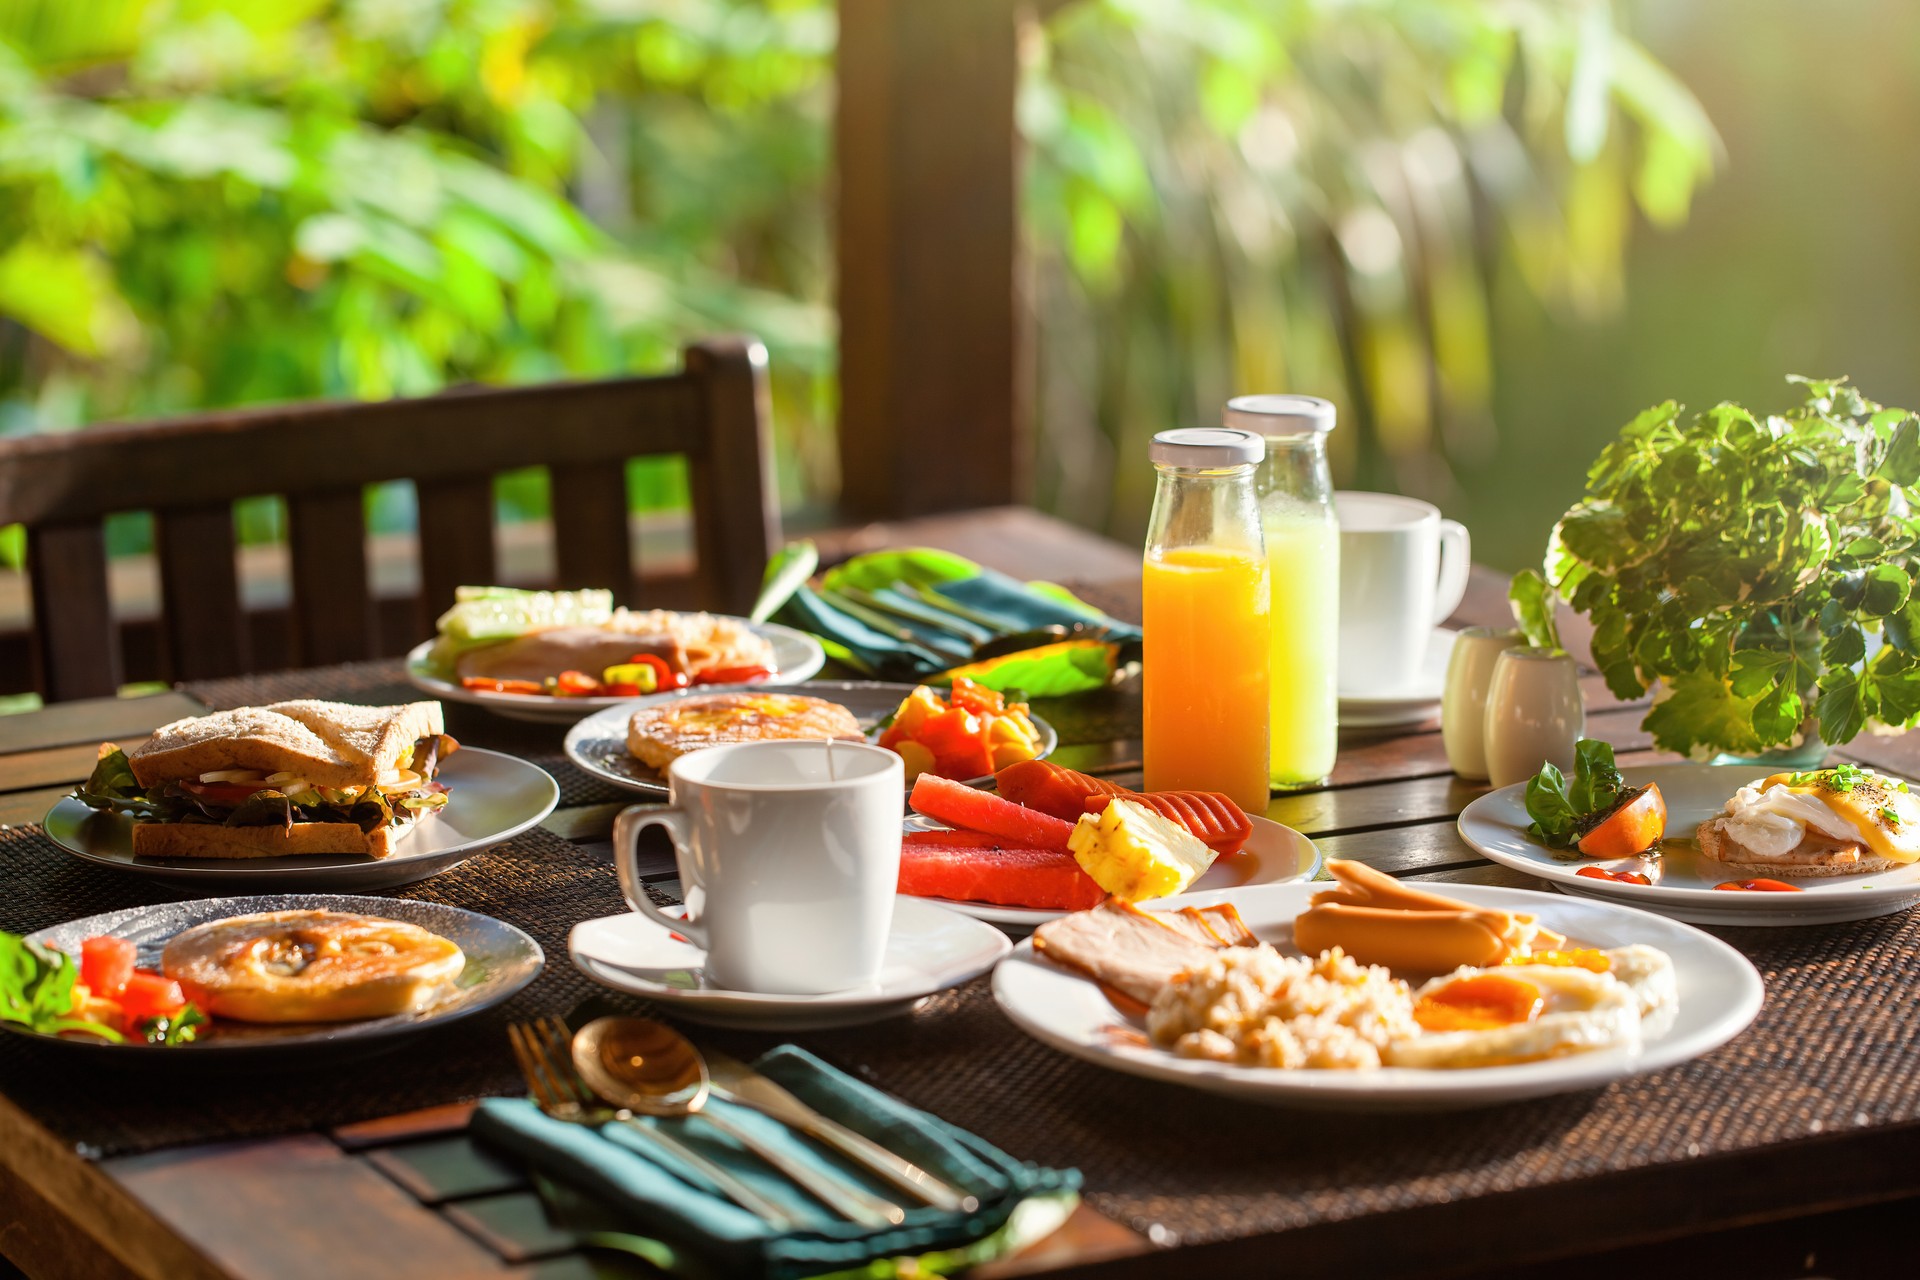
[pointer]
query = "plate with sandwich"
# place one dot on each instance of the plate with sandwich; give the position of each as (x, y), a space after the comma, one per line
(1712, 844)
(298, 795)
(556, 656)
(631, 745)
(225, 978)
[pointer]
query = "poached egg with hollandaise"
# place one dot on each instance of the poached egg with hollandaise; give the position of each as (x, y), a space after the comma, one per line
(1824, 822)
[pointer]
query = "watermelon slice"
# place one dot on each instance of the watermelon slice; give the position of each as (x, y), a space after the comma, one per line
(1220, 823)
(961, 806)
(1051, 788)
(970, 866)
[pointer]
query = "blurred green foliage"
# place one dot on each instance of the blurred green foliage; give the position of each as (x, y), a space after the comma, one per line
(218, 202)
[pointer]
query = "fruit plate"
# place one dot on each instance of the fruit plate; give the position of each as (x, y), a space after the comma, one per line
(598, 744)
(490, 797)
(1273, 854)
(1496, 825)
(500, 961)
(1719, 994)
(796, 656)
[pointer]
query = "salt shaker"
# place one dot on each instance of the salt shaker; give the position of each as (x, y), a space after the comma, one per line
(1534, 714)
(1463, 703)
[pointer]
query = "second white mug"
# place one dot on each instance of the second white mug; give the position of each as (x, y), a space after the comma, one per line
(789, 857)
(1403, 571)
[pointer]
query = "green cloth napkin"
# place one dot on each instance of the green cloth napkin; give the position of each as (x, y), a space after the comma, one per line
(651, 1194)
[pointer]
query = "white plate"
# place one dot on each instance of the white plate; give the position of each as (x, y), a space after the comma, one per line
(1496, 825)
(930, 949)
(491, 797)
(1273, 854)
(598, 744)
(796, 656)
(1720, 992)
(1414, 702)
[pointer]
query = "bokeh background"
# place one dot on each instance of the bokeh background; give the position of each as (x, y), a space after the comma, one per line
(1491, 230)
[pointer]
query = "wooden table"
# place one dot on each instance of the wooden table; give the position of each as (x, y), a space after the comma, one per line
(409, 1197)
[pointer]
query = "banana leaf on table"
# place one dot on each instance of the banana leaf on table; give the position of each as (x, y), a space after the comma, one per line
(926, 615)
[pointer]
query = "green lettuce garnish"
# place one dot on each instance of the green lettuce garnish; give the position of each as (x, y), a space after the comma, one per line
(1563, 811)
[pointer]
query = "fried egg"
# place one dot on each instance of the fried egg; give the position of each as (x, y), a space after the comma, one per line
(661, 733)
(1518, 1013)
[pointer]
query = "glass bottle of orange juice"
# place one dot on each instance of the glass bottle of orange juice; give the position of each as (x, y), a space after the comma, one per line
(1302, 535)
(1206, 601)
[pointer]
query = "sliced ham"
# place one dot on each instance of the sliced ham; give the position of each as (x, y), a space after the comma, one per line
(1132, 951)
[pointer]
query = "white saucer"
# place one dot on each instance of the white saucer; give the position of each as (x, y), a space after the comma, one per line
(1273, 854)
(929, 950)
(1496, 825)
(1415, 702)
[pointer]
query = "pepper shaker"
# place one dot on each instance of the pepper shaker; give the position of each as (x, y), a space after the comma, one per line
(1534, 714)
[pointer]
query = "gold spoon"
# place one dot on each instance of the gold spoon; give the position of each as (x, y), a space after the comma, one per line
(646, 1066)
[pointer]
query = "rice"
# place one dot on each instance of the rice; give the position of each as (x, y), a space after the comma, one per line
(1258, 1008)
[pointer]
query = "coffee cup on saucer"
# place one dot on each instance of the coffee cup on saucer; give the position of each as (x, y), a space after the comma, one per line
(789, 857)
(1403, 571)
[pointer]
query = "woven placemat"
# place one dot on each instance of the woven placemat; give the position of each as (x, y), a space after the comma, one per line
(385, 683)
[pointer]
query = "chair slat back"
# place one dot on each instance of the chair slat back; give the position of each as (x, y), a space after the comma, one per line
(321, 457)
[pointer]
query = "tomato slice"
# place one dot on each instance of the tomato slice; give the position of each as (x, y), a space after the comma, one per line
(1758, 886)
(485, 685)
(733, 675)
(577, 684)
(1618, 877)
(1634, 827)
(106, 964)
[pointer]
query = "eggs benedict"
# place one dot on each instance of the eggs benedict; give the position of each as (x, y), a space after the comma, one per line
(1826, 822)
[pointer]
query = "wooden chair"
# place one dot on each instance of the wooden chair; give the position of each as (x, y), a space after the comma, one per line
(188, 473)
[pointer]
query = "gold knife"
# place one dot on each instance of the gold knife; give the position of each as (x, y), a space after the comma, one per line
(737, 1082)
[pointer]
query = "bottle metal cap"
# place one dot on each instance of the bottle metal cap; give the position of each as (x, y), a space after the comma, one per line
(1207, 447)
(1279, 415)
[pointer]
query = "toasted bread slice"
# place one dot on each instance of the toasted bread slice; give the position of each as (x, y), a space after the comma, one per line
(355, 966)
(332, 744)
(1817, 856)
(663, 732)
(205, 840)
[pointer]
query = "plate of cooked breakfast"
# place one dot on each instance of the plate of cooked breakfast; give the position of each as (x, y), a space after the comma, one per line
(247, 976)
(555, 656)
(302, 794)
(1049, 840)
(1373, 995)
(1713, 844)
(963, 733)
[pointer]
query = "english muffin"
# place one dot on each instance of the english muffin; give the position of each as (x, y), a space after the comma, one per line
(662, 733)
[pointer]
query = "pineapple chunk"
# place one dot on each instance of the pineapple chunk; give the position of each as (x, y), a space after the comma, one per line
(1135, 854)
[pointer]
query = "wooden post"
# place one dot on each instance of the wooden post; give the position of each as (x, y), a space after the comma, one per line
(933, 374)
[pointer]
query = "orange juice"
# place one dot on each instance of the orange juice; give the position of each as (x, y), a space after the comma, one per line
(1205, 672)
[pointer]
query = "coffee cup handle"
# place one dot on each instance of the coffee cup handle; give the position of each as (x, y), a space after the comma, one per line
(626, 862)
(1456, 560)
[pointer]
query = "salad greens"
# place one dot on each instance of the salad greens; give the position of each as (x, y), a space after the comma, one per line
(1563, 811)
(1756, 572)
(36, 989)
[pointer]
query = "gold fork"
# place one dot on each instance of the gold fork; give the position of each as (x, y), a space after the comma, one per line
(542, 1050)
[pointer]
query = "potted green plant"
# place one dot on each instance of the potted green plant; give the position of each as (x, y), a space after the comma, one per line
(1755, 573)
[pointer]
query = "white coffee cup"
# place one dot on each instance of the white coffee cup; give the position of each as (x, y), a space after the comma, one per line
(1403, 570)
(789, 857)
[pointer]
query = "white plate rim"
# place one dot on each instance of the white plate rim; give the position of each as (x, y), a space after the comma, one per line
(610, 724)
(1491, 811)
(1433, 664)
(1391, 1087)
(422, 679)
(929, 981)
(1309, 860)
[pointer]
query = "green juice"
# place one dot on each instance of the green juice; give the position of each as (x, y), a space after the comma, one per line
(1303, 557)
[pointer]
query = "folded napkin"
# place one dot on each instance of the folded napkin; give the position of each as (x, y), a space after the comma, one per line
(649, 1193)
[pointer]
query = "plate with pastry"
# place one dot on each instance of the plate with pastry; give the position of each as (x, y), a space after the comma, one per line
(298, 795)
(963, 732)
(278, 974)
(1368, 994)
(555, 656)
(1713, 844)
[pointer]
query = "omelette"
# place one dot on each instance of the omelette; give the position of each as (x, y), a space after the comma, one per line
(662, 733)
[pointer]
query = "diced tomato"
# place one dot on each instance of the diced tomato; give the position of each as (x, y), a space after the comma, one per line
(733, 675)
(976, 698)
(105, 965)
(485, 685)
(576, 684)
(149, 995)
(959, 742)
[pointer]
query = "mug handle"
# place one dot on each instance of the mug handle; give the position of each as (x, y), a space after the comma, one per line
(1456, 560)
(626, 862)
